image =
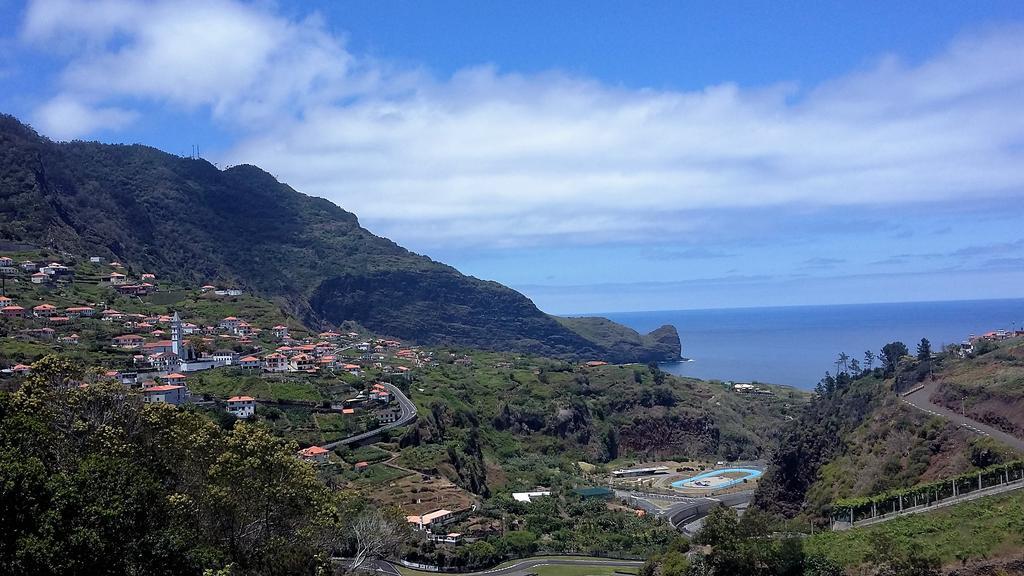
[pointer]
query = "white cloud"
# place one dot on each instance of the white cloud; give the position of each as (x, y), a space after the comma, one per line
(66, 118)
(495, 158)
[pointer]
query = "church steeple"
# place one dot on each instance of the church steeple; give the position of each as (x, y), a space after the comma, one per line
(176, 346)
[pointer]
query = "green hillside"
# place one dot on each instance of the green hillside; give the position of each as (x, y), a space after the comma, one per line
(990, 380)
(533, 415)
(987, 528)
(858, 438)
(187, 221)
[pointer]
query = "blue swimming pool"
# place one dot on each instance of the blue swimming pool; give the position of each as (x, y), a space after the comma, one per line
(696, 481)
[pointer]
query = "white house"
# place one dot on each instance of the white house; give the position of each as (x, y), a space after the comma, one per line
(96, 259)
(166, 394)
(128, 341)
(76, 311)
(275, 363)
(225, 357)
(242, 406)
(431, 520)
(118, 279)
(229, 323)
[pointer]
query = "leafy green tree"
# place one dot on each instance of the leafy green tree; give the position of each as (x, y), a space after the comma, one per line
(93, 481)
(611, 443)
(869, 360)
(842, 362)
(895, 557)
(891, 354)
(924, 350)
(674, 563)
(819, 565)
(519, 543)
(721, 531)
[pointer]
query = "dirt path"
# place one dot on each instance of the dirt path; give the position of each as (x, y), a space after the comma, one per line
(920, 400)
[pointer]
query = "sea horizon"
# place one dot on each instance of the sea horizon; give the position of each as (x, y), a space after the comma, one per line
(796, 345)
(771, 306)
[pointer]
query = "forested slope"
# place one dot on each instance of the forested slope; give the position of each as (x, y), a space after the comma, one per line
(186, 220)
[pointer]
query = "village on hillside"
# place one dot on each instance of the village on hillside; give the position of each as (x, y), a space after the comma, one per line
(161, 354)
(337, 383)
(336, 392)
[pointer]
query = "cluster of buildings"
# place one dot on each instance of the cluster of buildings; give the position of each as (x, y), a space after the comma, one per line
(211, 289)
(324, 352)
(38, 273)
(125, 286)
(967, 347)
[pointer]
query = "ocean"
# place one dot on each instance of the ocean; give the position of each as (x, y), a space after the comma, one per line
(795, 345)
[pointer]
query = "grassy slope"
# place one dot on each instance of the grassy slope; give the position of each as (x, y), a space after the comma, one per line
(895, 447)
(987, 528)
(993, 383)
(858, 441)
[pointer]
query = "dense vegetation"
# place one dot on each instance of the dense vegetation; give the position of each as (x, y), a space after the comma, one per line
(505, 422)
(984, 528)
(186, 220)
(94, 482)
(856, 438)
(558, 524)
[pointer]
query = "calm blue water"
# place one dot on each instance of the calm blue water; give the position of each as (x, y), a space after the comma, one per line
(796, 345)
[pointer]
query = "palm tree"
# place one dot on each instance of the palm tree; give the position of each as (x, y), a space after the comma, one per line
(855, 366)
(843, 362)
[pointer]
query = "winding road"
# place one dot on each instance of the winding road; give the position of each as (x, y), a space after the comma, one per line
(686, 509)
(921, 399)
(524, 566)
(408, 415)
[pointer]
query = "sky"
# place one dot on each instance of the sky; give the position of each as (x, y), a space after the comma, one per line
(597, 156)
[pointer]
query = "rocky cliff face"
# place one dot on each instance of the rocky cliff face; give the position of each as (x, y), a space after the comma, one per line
(186, 220)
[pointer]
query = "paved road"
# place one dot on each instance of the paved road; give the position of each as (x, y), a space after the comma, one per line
(528, 565)
(407, 416)
(685, 509)
(920, 400)
(686, 512)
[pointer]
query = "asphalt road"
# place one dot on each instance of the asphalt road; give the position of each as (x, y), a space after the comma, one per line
(686, 512)
(920, 400)
(521, 567)
(408, 415)
(685, 509)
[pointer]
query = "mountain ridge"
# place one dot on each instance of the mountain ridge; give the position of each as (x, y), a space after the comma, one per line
(188, 220)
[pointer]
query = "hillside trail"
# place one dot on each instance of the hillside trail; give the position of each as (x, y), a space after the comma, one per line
(921, 399)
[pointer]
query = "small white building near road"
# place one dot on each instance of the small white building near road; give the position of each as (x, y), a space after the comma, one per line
(529, 496)
(431, 520)
(634, 472)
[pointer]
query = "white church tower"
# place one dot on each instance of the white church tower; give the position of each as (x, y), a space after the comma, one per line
(176, 346)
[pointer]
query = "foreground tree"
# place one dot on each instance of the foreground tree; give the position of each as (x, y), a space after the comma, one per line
(377, 535)
(93, 481)
(924, 350)
(891, 354)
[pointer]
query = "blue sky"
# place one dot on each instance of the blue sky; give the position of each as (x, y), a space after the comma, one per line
(597, 156)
